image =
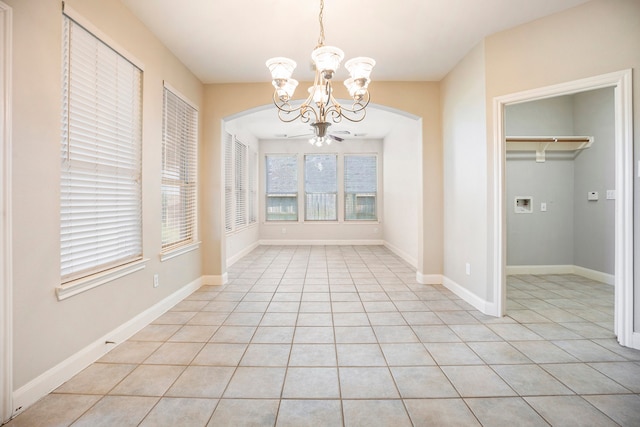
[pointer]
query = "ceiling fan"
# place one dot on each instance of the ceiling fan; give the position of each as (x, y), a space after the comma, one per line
(314, 133)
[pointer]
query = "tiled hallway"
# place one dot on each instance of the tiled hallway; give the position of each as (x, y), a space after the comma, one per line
(344, 336)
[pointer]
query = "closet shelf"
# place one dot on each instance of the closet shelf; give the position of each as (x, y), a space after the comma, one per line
(542, 144)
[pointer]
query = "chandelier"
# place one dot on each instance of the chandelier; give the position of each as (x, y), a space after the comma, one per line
(321, 107)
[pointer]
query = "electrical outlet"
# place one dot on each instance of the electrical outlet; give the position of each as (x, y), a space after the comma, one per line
(156, 281)
(467, 269)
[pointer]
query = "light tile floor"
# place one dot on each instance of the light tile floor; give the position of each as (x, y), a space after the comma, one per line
(345, 336)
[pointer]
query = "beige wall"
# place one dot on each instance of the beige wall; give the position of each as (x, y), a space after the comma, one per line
(596, 38)
(418, 98)
(48, 331)
(465, 174)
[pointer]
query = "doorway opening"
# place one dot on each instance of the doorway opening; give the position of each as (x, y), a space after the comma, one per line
(560, 237)
(623, 204)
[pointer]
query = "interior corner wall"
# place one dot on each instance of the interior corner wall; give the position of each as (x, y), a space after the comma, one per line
(594, 221)
(47, 331)
(402, 188)
(595, 38)
(465, 175)
(542, 238)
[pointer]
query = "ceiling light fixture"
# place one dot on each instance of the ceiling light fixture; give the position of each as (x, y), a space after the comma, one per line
(320, 106)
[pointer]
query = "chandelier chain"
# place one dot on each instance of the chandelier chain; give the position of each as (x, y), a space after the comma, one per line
(320, 18)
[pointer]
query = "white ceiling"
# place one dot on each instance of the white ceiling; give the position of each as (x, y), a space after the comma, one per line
(224, 41)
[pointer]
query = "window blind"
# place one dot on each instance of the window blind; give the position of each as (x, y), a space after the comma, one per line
(179, 172)
(360, 187)
(100, 194)
(228, 182)
(282, 188)
(241, 183)
(253, 187)
(320, 186)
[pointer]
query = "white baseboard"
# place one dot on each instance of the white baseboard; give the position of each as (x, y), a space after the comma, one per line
(479, 303)
(561, 269)
(233, 259)
(402, 254)
(215, 280)
(296, 242)
(607, 278)
(35, 389)
(428, 279)
(635, 340)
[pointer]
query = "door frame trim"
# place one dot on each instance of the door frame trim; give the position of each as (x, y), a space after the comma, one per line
(6, 272)
(621, 81)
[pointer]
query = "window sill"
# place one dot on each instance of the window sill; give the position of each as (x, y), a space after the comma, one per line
(165, 256)
(83, 284)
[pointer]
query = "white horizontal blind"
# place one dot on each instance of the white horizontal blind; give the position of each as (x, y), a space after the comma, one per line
(241, 183)
(320, 187)
(253, 187)
(179, 172)
(100, 204)
(282, 188)
(228, 182)
(360, 187)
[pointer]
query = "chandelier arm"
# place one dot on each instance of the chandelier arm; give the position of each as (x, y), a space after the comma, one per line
(355, 114)
(305, 113)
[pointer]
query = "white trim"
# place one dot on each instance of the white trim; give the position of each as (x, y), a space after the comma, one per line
(479, 303)
(429, 279)
(233, 259)
(561, 269)
(179, 251)
(63, 371)
(215, 280)
(302, 242)
(83, 284)
(104, 38)
(599, 276)
(6, 251)
(635, 340)
(402, 254)
(621, 81)
(180, 95)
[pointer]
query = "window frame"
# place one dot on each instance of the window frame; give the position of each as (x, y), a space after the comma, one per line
(75, 280)
(293, 195)
(335, 194)
(360, 194)
(188, 175)
(237, 184)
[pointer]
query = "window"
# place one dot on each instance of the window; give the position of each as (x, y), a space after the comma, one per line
(179, 172)
(360, 187)
(320, 187)
(228, 182)
(282, 188)
(253, 187)
(241, 180)
(240, 184)
(100, 190)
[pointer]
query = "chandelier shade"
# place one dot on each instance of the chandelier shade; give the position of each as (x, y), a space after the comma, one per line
(321, 107)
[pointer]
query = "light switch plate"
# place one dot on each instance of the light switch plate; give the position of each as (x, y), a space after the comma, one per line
(611, 194)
